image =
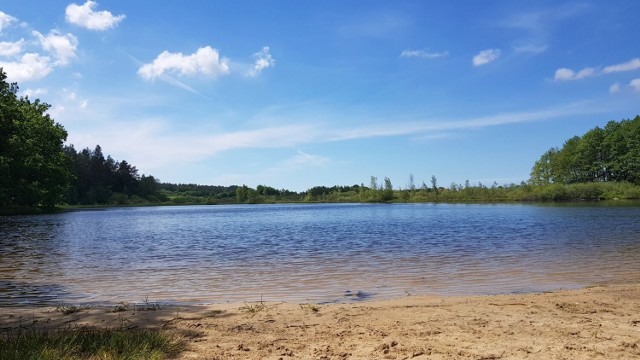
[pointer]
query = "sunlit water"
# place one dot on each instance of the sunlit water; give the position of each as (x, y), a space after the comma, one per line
(313, 253)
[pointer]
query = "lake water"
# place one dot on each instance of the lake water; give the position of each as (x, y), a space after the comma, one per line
(313, 253)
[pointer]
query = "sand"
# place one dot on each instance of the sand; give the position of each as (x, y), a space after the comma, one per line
(593, 323)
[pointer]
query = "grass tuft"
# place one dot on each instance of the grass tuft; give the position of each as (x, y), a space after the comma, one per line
(147, 305)
(254, 308)
(68, 309)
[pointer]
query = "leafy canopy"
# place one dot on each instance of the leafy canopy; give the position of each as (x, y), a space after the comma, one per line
(33, 167)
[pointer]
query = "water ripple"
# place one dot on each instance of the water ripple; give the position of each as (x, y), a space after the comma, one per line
(321, 253)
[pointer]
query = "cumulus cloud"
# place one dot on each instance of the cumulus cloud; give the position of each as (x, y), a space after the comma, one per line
(264, 60)
(30, 66)
(635, 84)
(8, 48)
(423, 54)
(6, 20)
(62, 46)
(628, 66)
(486, 56)
(205, 61)
(565, 74)
(85, 16)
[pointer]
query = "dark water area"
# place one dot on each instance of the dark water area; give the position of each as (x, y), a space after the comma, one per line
(314, 253)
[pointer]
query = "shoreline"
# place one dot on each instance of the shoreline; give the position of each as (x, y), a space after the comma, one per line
(593, 322)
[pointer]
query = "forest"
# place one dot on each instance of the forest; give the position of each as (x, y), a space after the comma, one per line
(40, 172)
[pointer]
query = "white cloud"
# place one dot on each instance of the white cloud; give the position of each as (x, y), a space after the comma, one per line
(30, 66)
(5, 20)
(85, 16)
(57, 111)
(614, 88)
(34, 93)
(635, 84)
(8, 48)
(429, 127)
(628, 66)
(486, 56)
(264, 60)
(423, 54)
(205, 61)
(62, 46)
(565, 74)
(294, 163)
(154, 143)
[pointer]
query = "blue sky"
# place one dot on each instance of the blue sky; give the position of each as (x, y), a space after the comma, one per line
(294, 94)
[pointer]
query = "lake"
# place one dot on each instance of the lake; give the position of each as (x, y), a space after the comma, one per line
(313, 253)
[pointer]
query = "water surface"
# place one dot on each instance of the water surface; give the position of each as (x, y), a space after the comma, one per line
(317, 253)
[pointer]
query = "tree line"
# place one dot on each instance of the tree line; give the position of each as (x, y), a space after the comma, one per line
(99, 180)
(37, 169)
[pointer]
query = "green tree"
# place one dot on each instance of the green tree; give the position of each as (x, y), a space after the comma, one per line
(127, 178)
(609, 154)
(434, 184)
(542, 172)
(34, 168)
(148, 186)
(242, 193)
(387, 193)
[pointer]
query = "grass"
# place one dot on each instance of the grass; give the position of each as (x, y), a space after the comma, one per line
(89, 344)
(254, 308)
(68, 309)
(30, 342)
(147, 305)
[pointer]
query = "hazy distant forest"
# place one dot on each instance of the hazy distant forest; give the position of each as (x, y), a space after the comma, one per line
(39, 171)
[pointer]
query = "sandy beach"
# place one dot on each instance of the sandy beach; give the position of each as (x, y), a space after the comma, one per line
(597, 322)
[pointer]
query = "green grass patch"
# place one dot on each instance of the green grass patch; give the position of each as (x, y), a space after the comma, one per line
(89, 344)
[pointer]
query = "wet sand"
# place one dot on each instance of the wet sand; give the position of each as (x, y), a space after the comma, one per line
(593, 323)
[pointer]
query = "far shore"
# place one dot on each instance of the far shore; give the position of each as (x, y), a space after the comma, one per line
(596, 322)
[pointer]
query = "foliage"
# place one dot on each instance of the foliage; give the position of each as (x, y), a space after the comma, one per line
(32, 163)
(89, 344)
(104, 181)
(600, 155)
